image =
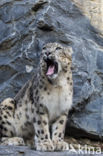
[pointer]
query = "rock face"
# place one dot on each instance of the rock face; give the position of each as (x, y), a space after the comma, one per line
(25, 151)
(93, 9)
(25, 26)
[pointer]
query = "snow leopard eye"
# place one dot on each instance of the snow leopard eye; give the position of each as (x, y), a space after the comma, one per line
(44, 48)
(58, 48)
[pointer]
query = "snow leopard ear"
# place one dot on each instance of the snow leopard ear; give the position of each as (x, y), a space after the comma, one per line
(68, 52)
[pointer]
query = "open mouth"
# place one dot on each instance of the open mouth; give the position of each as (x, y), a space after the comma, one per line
(52, 67)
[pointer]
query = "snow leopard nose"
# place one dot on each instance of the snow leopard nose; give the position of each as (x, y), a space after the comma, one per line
(48, 53)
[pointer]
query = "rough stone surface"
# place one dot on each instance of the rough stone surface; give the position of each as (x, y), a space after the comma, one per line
(24, 151)
(93, 9)
(25, 26)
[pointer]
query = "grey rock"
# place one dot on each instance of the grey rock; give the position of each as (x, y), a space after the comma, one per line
(25, 151)
(25, 26)
(38, 4)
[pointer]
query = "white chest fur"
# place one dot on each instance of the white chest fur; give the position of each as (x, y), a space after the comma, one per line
(57, 101)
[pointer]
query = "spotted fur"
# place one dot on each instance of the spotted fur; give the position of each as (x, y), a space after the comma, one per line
(43, 102)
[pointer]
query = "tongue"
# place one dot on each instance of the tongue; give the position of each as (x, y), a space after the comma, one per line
(50, 70)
